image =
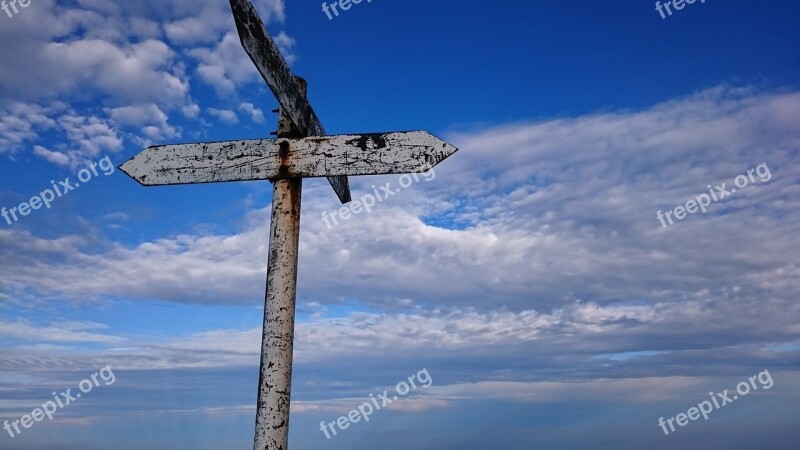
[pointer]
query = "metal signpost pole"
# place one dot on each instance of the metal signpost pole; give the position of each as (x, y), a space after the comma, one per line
(277, 342)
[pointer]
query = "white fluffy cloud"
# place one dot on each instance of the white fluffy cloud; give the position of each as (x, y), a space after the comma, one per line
(256, 115)
(150, 121)
(58, 158)
(226, 65)
(85, 137)
(20, 122)
(567, 214)
(224, 115)
(125, 56)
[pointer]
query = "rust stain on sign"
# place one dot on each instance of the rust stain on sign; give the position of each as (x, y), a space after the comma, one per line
(284, 155)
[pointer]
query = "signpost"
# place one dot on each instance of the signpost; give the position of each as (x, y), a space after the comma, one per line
(301, 151)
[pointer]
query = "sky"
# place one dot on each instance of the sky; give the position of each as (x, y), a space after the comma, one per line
(610, 260)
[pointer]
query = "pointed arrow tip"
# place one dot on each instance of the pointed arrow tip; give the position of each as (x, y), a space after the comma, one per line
(126, 168)
(129, 169)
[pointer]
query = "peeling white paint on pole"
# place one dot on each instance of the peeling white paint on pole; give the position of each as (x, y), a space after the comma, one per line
(277, 341)
(364, 154)
(275, 379)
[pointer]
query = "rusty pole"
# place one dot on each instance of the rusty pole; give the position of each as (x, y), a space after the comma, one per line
(275, 379)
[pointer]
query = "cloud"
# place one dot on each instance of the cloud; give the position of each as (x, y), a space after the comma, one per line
(151, 121)
(224, 115)
(133, 59)
(123, 72)
(54, 157)
(63, 332)
(203, 25)
(20, 122)
(568, 214)
(201, 28)
(256, 115)
(554, 245)
(85, 137)
(225, 66)
(134, 73)
(341, 406)
(286, 45)
(93, 135)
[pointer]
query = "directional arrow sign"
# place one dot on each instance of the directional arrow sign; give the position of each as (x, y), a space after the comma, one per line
(269, 159)
(273, 68)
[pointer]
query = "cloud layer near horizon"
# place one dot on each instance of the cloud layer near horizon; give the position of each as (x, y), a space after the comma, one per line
(557, 255)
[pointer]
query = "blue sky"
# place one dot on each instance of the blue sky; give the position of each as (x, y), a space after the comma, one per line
(531, 276)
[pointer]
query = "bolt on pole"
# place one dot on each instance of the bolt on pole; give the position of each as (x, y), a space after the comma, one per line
(275, 379)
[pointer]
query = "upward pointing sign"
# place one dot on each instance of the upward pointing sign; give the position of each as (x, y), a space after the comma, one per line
(270, 63)
(302, 150)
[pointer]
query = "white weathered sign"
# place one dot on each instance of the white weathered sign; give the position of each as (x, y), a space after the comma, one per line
(268, 159)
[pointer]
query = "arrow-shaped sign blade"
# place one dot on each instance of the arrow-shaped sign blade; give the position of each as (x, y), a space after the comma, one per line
(269, 159)
(273, 68)
(367, 154)
(209, 162)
